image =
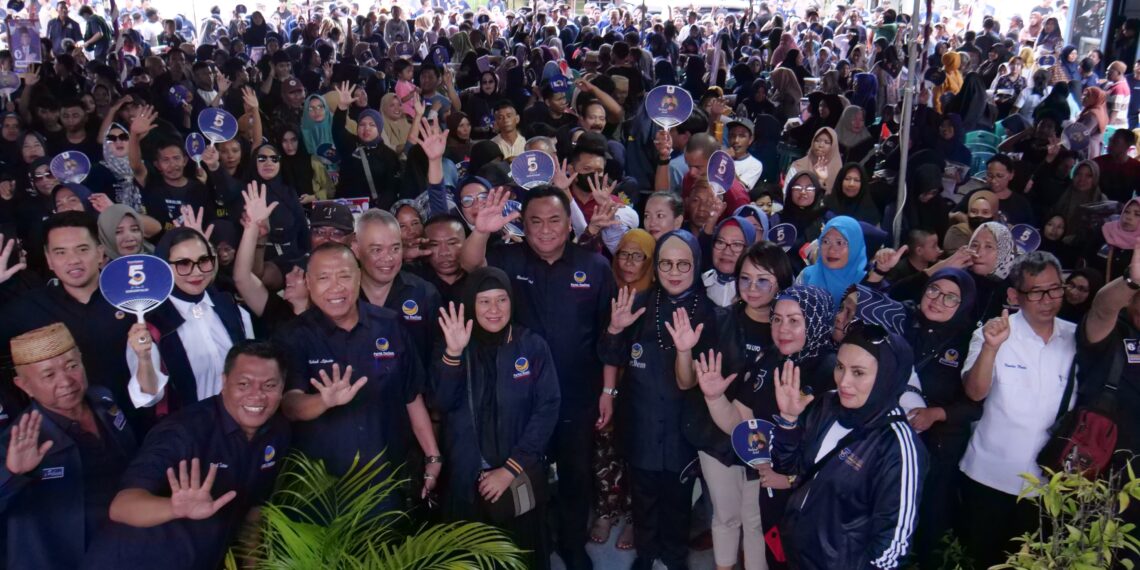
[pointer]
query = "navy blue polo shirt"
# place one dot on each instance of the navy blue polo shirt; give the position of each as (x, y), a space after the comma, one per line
(207, 431)
(378, 347)
(100, 332)
(417, 303)
(567, 303)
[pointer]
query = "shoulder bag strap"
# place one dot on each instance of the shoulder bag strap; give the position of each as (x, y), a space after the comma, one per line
(1068, 389)
(362, 154)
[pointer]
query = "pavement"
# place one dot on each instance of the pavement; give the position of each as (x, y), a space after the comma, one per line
(608, 557)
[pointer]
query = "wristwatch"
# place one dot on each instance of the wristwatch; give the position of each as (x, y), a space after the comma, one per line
(433, 459)
(611, 391)
(1128, 280)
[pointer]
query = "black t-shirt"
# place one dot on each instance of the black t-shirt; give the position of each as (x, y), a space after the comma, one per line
(1095, 362)
(163, 202)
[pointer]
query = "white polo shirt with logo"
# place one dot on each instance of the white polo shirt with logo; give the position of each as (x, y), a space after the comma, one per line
(1029, 379)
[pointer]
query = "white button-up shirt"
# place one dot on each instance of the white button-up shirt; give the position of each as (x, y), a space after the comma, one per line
(1029, 378)
(206, 343)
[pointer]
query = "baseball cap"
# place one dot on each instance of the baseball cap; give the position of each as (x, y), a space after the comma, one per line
(292, 85)
(743, 122)
(332, 215)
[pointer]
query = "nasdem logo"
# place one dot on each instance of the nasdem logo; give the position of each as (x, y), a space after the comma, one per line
(522, 367)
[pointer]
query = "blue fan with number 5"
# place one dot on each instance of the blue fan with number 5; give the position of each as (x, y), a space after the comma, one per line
(217, 125)
(136, 283)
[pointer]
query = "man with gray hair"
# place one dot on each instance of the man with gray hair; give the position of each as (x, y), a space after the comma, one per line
(1021, 366)
(384, 282)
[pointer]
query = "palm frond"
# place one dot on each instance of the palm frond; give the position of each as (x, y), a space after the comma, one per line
(457, 546)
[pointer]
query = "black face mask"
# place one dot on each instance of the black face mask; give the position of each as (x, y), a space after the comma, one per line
(582, 181)
(976, 221)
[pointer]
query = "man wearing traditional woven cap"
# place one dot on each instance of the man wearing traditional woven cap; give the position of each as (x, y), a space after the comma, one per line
(64, 455)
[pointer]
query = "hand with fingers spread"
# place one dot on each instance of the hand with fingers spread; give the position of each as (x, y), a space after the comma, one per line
(621, 311)
(143, 121)
(490, 218)
(255, 206)
(338, 389)
(431, 139)
(685, 337)
(249, 99)
(456, 332)
(223, 84)
(25, 452)
(604, 217)
(7, 272)
(564, 176)
(996, 330)
(886, 259)
(789, 399)
(713, 384)
(193, 220)
(190, 496)
(343, 95)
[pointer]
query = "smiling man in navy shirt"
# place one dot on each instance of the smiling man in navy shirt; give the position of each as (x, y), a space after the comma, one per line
(564, 294)
(356, 380)
(167, 515)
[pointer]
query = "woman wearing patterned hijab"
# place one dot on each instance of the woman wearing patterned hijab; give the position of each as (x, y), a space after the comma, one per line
(801, 323)
(993, 255)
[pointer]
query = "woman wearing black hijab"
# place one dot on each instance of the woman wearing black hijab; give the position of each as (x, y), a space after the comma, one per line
(496, 382)
(853, 453)
(650, 334)
(479, 103)
(972, 104)
(695, 82)
(288, 227)
(792, 62)
(852, 195)
(1080, 288)
(1055, 104)
(940, 332)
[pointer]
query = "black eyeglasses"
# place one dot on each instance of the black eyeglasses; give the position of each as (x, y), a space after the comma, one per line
(263, 158)
(185, 267)
(667, 265)
(119, 138)
(949, 300)
(734, 246)
(634, 256)
(1054, 293)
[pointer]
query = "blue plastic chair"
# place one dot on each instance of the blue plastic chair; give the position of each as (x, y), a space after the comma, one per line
(981, 147)
(983, 137)
(978, 162)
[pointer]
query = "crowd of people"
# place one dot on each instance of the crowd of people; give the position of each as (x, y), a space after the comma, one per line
(356, 272)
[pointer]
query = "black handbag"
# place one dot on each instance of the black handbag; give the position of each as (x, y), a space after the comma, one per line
(520, 497)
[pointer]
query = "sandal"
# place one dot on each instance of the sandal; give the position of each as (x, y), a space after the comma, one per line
(625, 539)
(600, 532)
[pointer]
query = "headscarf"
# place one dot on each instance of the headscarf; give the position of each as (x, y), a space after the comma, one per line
(954, 149)
(690, 299)
(644, 242)
(787, 42)
(478, 281)
(836, 281)
(895, 361)
(82, 192)
(829, 83)
(314, 134)
(1071, 201)
(834, 160)
(819, 318)
(848, 136)
(379, 120)
(1118, 237)
(753, 211)
(746, 229)
(1006, 254)
(1095, 105)
(297, 169)
(862, 207)
(1055, 104)
(798, 216)
(693, 245)
(1049, 40)
(394, 133)
(865, 93)
(460, 46)
(874, 307)
(963, 316)
(787, 91)
(951, 62)
(1071, 68)
(970, 102)
(109, 221)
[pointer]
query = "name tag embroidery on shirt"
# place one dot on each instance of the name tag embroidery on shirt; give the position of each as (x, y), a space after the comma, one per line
(51, 473)
(852, 460)
(1014, 366)
(383, 349)
(1132, 350)
(525, 278)
(321, 361)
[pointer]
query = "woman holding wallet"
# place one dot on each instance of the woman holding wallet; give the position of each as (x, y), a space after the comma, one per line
(496, 382)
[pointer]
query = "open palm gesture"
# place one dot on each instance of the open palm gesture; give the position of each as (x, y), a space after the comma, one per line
(490, 218)
(685, 337)
(194, 220)
(190, 496)
(790, 400)
(143, 122)
(255, 203)
(713, 384)
(338, 389)
(431, 139)
(343, 95)
(25, 451)
(621, 311)
(456, 332)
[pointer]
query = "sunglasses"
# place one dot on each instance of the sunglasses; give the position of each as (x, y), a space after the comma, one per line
(263, 158)
(185, 267)
(119, 138)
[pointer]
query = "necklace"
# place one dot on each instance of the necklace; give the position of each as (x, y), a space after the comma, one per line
(661, 340)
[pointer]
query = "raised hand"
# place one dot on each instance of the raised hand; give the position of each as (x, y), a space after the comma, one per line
(712, 384)
(138, 338)
(564, 176)
(296, 291)
(431, 139)
(996, 330)
(621, 311)
(685, 337)
(7, 272)
(193, 220)
(604, 217)
(223, 83)
(663, 142)
(255, 206)
(31, 76)
(190, 496)
(25, 451)
(100, 202)
(456, 332)
(886, 259)
(343, 95)
(490, 219)
(337, 390)
(601, 188)
(249, 98)
(789, 399)
(143, 122)
(960, 259)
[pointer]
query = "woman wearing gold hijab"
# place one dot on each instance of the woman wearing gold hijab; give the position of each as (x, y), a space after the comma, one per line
(633, 268)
